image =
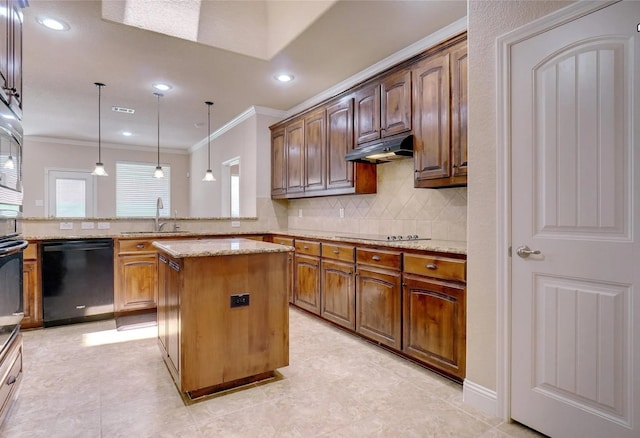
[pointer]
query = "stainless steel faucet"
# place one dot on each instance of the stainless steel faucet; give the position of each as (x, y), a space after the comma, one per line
(176, 227)
(159, 207)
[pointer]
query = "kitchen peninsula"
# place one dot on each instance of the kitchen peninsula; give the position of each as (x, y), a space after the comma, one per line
(222, 312)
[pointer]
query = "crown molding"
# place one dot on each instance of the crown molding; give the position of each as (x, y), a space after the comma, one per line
(408, 52)
(246, 114)
(93, 144)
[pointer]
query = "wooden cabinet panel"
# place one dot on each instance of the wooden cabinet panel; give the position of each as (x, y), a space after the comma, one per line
(30, 252)
(367, 113)
(294, 147)
(288, 241)
(434, 323)
(11, 56)
(278, 164)
(345, 253)
(307, 247)
(137, 288)
(173, 286)
(431, 118)
(379, 258)
(31, 295)
(459, 109)
(338, 293)
(163, 266)
(135, 246)
(314, 150)
(395, 103)
(378, 305)
(339, 143)
(307, 282)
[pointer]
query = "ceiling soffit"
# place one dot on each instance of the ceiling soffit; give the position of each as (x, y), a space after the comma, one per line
(256, 28)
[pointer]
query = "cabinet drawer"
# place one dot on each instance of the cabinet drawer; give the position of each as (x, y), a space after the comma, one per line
(136, 246)
(435, 266)
(307, 247)
(377, 257)
(346, 253)
(11, 375)
(288, 241)
(31, 252)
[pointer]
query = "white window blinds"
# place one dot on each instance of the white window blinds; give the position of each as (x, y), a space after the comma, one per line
(137, 190)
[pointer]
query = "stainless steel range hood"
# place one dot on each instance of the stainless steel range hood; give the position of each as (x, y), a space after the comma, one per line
(391, 149)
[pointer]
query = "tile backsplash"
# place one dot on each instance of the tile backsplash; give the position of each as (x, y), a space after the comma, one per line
(397, 208)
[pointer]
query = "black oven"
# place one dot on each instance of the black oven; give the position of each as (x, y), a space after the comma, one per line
(11, 277)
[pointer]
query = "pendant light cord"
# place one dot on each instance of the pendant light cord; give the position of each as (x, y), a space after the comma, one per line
(99, 85)
(158, 94)
(209, 133)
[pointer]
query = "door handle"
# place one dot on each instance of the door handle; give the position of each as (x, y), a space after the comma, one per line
(525, 251)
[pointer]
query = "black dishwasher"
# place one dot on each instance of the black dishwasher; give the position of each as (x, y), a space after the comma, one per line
(77, 280)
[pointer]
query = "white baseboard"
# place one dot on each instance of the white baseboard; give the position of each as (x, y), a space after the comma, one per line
(479, 397)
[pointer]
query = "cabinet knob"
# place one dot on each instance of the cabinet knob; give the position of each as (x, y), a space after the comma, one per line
(306, 247)
(404, 284)
(11, 380)
(140, 245)
(432, 266)
(335, 251)
(376, 258)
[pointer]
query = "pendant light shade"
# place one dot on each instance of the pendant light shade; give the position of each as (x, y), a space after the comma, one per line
(99, 169)
(208, 176)
(158, 173)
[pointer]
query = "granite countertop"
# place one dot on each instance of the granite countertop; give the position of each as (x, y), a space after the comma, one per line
(137, 235)
(217, 247)
(446, 246)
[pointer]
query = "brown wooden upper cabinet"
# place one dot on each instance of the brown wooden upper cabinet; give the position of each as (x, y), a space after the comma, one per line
(278, 164)
(383, 108)
(294, 149)
(315, 166)
(11, 55)
(440, 118)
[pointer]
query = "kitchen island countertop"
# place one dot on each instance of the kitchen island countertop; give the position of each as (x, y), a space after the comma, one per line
(217, 247)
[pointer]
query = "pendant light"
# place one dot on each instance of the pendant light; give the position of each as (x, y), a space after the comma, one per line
(208, 176)
(99, 170)
(158, 173)
(9, 163)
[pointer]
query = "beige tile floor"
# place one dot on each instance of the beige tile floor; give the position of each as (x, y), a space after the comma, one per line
(79, 382)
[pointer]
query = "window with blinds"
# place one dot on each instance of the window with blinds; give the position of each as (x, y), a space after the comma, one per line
(137, 190)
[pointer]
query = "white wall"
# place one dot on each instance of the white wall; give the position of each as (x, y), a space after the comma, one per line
(251, 141)
(40, 154)
(487, 20)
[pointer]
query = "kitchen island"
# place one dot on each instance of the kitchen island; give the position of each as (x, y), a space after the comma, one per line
(222, 312)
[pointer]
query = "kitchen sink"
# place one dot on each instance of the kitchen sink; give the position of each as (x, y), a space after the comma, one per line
(156, 232)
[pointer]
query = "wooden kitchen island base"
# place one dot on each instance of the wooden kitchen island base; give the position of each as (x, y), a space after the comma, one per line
(222, 312)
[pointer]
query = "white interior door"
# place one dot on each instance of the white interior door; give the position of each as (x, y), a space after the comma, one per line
(575, 199)
(70, 194)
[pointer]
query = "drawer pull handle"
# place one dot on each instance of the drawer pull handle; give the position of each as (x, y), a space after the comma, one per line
(335, 251)
(11, 380)
(140, 245)
(432, 266)
(376, 258)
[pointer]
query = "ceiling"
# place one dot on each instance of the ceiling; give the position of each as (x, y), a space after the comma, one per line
(60, 68)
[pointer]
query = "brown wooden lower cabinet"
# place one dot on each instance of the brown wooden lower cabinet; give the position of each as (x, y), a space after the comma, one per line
(378, 305)
(287, 241)
(338, 293)
(307, 283)
(137, 288)
(31, 295)
(434, 323)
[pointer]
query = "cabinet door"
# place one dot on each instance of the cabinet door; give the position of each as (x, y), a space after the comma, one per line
(5, 29)
(278, 164)
(294, 144)
(432, 144)
(367, 113)
(31, 296)
(138, 287)
(307, 290)
(288, 241)
(434, 323)
(395, 103)
(338, 293)
(459, 109)
(378, 310)
(173, 287)
(314, 151)
(339, 143)
(15, 58)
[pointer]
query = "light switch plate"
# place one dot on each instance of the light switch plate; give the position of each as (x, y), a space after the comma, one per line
(235, 224)
(66, 225)
(342, 212)
(104, 225)
(87, 225)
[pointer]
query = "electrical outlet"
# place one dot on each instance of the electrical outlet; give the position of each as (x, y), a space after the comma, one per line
(87, 225)
(342, 212)
(239, 300)
(299, 212)
(235, 224)
(104, 225)
(66, 225)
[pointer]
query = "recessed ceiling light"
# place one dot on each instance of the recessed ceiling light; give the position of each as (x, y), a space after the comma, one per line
(284, 77)
(127, 133)
(161, 86)
(53, 23)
